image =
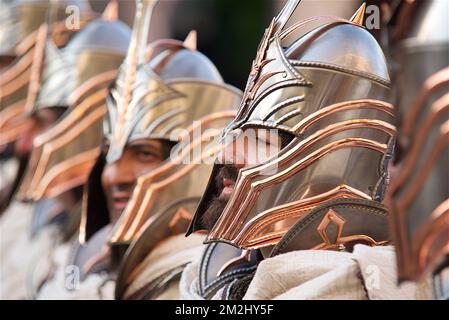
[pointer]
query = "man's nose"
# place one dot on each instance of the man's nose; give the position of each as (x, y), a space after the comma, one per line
(119, 173)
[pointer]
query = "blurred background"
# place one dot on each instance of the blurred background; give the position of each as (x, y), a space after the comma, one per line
(229, 31)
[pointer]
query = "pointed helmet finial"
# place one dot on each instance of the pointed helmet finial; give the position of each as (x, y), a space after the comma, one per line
(111, 11)
(191, 40)
(359, 15)
(127, 73)
(285, 14)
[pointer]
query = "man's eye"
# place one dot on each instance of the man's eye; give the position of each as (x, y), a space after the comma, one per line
(147, 155)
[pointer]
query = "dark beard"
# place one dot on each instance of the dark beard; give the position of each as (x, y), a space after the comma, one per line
(218, 203)
(213, 212)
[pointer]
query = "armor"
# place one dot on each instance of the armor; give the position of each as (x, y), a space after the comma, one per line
(323, 83)
(172, 92)
(19, 19)
(63, 155)
(419, 196)
(222, 264)
(22, 76)
(158, 96)
(15, 80)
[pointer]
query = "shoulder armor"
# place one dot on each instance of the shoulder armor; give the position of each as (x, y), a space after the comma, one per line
(338, 225)
(163, 225)
(91, 257)
(221, 264)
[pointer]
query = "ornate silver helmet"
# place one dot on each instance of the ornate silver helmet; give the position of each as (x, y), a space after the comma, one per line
(164, 92)
(77, 77)
(99, 48)
(323, 83)
(419, 193)
(19, 19)
(16, 78)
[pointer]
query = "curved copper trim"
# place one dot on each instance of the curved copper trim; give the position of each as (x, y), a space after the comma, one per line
(166, 43)
(433, 83)
(11, 112)
(343, 106)
(28, 43)
(406, 254)
(67, 129)
(249, 236)
(13, 123)
(139, 205)
(38, 177)
(136, 221)
(14, 132)
(250, 173)
(440, 209)
(16, 70)
(431, 244)
(58, 181)
(16, 84)
(227, 228)
(75, 116)
(315, 156)
(59, 31)
(169, 114)
(24, 49)
(141, 217)
(438, 148)
(438, 109)
(96, 81)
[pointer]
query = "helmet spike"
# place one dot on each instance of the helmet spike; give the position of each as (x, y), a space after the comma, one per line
(136, 50)
(359, 15)
(134, 57)
(111, 11)
(191, 40)
(285, 14)
(139, 38)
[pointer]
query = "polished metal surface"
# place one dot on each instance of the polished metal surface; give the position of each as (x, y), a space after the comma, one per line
(100, 47)
(167, 106)
(76, 76)
(419, 193)
(20, 81)
(168, 91)
(422, 52)
(327, 88)
(19, 18)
